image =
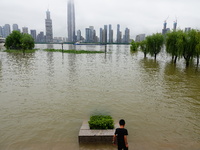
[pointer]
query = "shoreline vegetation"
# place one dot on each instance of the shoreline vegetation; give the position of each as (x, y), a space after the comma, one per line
(73, 51)
(55, 50)
(20, 51)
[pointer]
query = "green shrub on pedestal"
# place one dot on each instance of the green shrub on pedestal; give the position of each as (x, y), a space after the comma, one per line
(101, 122)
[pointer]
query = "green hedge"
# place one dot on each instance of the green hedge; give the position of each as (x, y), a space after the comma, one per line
(101, 122)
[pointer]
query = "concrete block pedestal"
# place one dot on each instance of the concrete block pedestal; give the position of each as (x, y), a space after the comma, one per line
(86, 135)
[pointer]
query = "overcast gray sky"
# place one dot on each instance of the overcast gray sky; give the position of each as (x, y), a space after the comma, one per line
(140, 16)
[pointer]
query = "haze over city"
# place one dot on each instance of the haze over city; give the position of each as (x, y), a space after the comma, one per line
(139, 16)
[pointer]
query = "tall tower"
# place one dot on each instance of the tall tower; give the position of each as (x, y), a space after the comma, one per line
(175, 25)
(119, 34)
(71, 21)
(110, 34)
(49, 30)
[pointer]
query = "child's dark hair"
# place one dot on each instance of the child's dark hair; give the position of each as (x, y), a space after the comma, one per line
(122, 122)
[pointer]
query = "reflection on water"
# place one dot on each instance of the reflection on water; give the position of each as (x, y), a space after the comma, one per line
(45, 96)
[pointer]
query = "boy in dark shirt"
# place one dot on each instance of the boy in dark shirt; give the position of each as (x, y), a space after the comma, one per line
(121, 135)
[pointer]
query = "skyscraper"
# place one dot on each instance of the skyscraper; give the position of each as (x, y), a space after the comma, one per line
(175, 25)
(79, 35)
(71, 21)
(33, 34)
(110, 34)
(105, 33)
(49, 30)
(25, 30)
(119, 34)
(1, 31)
(101, 35)
(7, 30)
(126, 36)
(15, 27)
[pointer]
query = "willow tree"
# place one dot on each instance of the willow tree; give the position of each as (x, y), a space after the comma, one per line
(134, 46)
(143, 47)
(154, 44)
(198, 46)
(190, 44)
(174, 44)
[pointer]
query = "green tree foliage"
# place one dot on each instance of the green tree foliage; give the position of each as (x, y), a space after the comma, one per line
(175, 44)
(198, 46)
(13, 40)
(101, 122)
(17, 41)
(154, 44)
(27, 42)
(183, 44)
(134, 46)
(143, 47)
(189, 46)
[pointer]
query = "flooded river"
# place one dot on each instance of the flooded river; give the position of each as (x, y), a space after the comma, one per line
(44, 98)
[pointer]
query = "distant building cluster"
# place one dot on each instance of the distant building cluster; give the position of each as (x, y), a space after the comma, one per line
(105, 34)
(166, 30)
(40, 37)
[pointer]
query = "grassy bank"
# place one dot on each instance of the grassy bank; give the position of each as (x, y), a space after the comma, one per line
(73, 51)
(20, 51)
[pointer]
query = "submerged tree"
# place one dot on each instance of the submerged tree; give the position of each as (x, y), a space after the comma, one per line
(13, 41)
(27, 42)
(143, 47)
(197, 50)
(17, 40)
(154, 44)
(175, 43)
(183, 44)
(134, 46)
(190, 44)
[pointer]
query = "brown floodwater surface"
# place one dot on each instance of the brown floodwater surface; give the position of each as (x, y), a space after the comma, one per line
(44, 97)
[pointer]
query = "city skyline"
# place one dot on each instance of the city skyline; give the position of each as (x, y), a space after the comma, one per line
(139, 16)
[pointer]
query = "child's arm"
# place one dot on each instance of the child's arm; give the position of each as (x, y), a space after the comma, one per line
(114, 140)
(126, 140)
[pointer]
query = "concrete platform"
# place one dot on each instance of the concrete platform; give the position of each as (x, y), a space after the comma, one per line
(86, 135)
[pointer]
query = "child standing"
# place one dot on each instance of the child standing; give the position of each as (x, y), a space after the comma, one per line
(121, 135)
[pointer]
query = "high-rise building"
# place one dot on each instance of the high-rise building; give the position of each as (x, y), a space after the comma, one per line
(1, 31)
(49, 30)
(140, 37)
(105, 33)
(165, 29)
(187, 29)
(87, 35)
(33, 34)
(110, 34)
(126, 36)
(101, 35)
(175, 25)
(15, 27)
(119, 34)
(79, 35)
(71, 21)
(6, 30)
(25, 30)
(41, 37)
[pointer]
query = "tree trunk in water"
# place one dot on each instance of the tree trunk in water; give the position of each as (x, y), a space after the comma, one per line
(175, 59)
(172, 58)
(155, 56)
(187, 62)
(197, 60)
(145, 55)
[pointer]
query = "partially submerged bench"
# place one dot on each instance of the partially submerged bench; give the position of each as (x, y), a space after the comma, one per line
(86, 135)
